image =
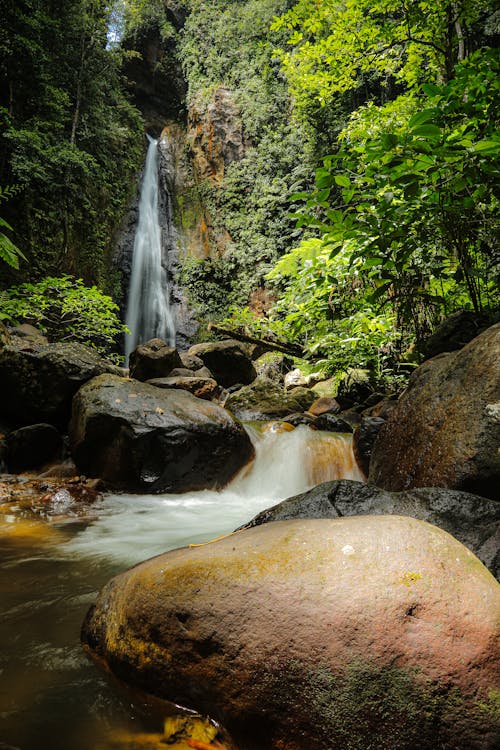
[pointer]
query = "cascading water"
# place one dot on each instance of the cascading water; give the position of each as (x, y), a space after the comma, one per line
(148, 310)
(51, 568)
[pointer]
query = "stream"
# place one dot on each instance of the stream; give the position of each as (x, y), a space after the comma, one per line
(51, 695)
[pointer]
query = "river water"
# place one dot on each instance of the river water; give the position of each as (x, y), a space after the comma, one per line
(51, 696)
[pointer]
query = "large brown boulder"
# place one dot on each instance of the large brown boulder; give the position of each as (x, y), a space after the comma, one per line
(473, 520)
(227, 362)
(368, 632)
(142, 438)
(445, 430)
(38, 381)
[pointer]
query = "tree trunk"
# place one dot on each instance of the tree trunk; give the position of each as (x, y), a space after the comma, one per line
(278, 346)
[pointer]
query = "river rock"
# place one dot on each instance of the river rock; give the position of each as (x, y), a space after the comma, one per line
(227, 362)
(454, 332)
(29, 334)
(32, 446)
(154, 359)
(369, 632)
(264, 399)
(190, 362)
(363, 441)
(205, 388)
(355, 387)
(142, 438)
(473, 520)
(324, 405)
(37, 383)
(445, 429)
(5, 339)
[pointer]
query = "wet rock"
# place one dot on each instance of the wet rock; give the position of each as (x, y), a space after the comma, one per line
(351, 417)
(32, 446)
(190, 361)
(154, 359)
(363, 441)
(205, 388)
(367, 632)
(445, 429)
(454, 332)
(37, 383)
(355, 387)
(382, 408)
(29, 334)
(227, 362)
(263, 399)
(473, 520)
(142, 438)
(324, 405)
(332, 423)
(300, 417)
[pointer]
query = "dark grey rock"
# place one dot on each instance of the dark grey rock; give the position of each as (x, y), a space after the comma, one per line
(227, 361)
(32, 446)
(154, 359)
(138, 437)
(363, 441)
(37, 383)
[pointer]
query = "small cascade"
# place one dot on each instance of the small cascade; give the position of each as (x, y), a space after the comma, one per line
(148, 310)
(129, 528)
(290, 462)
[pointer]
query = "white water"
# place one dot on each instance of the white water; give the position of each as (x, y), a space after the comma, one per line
(148, 310)
(128, 528)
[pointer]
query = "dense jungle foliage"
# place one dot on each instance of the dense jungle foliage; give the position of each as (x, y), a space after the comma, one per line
(365, 202)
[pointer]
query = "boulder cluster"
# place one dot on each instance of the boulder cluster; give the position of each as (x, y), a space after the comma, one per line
(357, 615)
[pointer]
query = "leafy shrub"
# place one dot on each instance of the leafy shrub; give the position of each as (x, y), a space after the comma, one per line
(65, 310)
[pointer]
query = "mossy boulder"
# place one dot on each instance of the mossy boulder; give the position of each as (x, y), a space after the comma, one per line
(362, 633)
(138, 437)
(264, 399)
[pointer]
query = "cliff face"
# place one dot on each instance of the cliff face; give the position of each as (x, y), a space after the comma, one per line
(215, 134)
(154, 73)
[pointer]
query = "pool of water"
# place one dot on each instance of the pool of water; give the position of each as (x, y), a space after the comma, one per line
(51, 696)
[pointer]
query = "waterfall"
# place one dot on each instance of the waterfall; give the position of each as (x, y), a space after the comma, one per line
(148, 310)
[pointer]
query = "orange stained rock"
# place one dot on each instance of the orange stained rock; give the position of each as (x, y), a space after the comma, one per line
(277, 427)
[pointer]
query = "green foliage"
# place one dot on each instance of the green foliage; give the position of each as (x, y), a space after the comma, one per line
(69, 136)
(9, 253)
(334, 44)
(229, 44)
(324, 307)
(66, 310)
(415, 197)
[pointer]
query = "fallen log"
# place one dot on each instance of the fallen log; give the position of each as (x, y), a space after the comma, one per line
(294, 350)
